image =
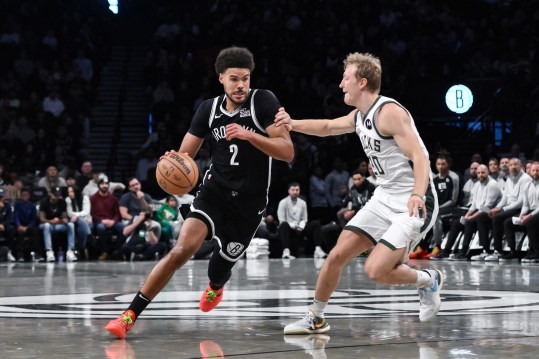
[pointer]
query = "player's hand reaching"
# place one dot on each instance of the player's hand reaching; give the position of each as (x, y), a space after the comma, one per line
(282, 118)
(233, 130)
(416, 207)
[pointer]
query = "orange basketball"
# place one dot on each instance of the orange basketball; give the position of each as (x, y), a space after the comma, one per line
(176, 173)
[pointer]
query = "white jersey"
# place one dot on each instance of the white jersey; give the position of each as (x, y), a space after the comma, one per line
(393, 170)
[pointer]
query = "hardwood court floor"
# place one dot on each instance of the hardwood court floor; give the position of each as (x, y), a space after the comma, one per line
(59, 310)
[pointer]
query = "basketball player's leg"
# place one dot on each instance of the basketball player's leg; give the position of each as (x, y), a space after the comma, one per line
(349, 245)
(191, 238)
(192, 235)
(234, 235)
(385, 266)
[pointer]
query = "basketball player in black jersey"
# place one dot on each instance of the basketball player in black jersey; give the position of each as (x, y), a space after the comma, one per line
(232, 198)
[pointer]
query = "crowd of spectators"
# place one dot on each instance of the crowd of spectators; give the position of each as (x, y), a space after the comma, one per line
(52, 55)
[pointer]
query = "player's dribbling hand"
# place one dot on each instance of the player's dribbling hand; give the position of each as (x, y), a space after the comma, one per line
(167, 153)
(282, 118)
(171, 151)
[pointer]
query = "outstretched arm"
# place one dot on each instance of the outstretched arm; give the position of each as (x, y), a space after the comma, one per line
(321, 128)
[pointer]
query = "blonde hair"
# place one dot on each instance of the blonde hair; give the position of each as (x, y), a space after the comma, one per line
(368, 67)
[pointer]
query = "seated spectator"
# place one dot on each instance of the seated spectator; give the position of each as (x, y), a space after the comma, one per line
(465, 198)
(135, 201)
(142, 241)
(495, 173)
(485, 195)
(78, 212)
(294, 225)
(7, 226)
(170, 219)
(93, 186)
(27, 228)
(529, 218)
(446, 183)
(358, 195)
(509, 206)
(106, 219)
(51, 179)
(53, 218)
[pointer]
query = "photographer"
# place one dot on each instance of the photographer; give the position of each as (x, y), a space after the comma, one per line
(142, 239)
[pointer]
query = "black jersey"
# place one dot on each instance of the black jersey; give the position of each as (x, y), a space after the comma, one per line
(236, 164)
(444, 188)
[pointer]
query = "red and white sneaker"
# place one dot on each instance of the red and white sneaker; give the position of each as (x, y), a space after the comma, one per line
(210, 298)
(121, 325)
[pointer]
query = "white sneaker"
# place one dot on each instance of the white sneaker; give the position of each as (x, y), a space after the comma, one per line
(494, 257)
(309, 324)
(287, 255)
(480, 257)
(319, 253)
(313, 344)
(50, 256)
(10, 257)
(429, 296)
(70, 256)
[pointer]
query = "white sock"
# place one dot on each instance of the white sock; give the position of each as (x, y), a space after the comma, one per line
(423, 278)
(318, 308)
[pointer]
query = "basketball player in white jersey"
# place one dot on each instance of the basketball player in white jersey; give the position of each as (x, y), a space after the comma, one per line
(403, 207)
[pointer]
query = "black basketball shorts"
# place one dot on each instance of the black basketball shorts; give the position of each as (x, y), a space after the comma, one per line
(232, 218)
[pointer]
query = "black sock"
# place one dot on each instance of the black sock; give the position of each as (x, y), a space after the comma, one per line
(138, 304)
(215, 286)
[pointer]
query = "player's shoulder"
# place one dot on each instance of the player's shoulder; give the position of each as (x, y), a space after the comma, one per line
(263, 95)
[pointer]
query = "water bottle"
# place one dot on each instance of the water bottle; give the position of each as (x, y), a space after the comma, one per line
(60, 255)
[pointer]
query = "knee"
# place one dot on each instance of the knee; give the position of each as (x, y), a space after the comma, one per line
(183, 250)
(373, 272)
(336, 260)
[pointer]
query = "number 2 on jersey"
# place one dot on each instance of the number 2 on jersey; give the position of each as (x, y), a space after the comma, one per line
(234, 151)
(376, 166)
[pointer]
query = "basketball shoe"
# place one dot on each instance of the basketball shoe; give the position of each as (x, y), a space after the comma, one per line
(429, 296)
(419, 253)
(210, 298)
(121, 325)
(310, 324)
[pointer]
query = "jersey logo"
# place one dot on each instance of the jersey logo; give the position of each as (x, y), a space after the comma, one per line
(368, 124)
(218, 116)
(261, 211)
(245, 112)
(234, 248)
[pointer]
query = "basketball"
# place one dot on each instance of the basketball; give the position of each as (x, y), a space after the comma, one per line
(176, 173)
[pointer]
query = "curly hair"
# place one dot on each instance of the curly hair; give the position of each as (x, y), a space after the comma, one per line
(234, 57)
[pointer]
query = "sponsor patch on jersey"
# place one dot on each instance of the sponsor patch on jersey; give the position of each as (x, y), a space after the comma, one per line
(244, 112)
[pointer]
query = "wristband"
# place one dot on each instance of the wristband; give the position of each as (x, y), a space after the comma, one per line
(424, 198)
